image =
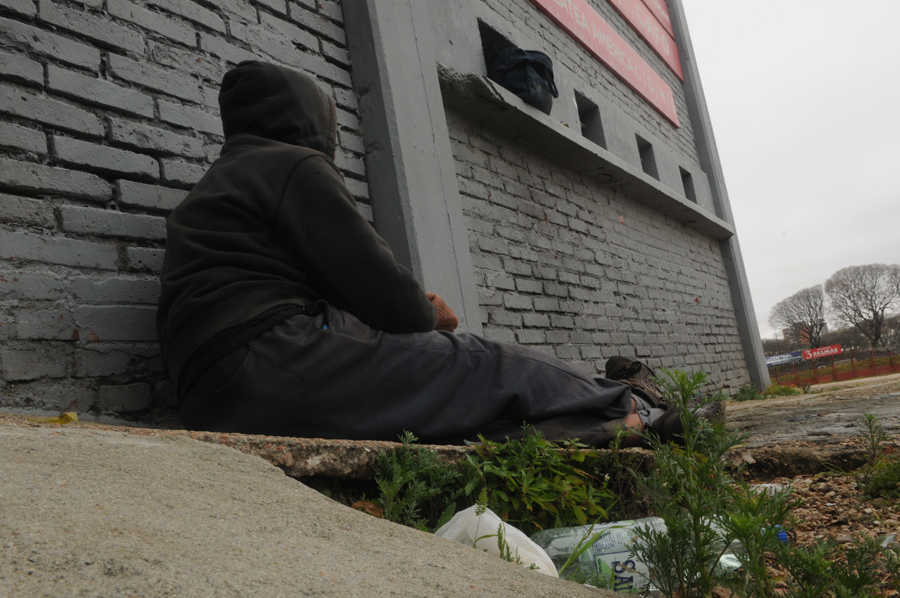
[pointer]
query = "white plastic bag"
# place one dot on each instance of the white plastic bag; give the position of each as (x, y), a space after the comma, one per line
(481, 532)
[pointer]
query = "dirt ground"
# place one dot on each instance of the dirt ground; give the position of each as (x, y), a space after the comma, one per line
(829, 414)
(833, 505)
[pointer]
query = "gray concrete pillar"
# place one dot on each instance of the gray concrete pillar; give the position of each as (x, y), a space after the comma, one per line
(410, 165)
(709, 161)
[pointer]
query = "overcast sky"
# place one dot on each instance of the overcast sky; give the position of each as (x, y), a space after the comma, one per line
(804, 97)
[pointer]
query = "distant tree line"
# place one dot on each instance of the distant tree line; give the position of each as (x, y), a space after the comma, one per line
(861, 302)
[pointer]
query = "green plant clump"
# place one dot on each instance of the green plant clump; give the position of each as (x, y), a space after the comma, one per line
(531, 483)
(534, 486)
(826, 570)
(880, 477)
(416, 488)
(689, 490)
(883, 481)
(870, 437)
(777, 390)
(747, 392)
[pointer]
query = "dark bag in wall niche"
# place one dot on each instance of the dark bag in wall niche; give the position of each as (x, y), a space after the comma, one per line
(526, 73)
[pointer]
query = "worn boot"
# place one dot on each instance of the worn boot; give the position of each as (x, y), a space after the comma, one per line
(638, 376)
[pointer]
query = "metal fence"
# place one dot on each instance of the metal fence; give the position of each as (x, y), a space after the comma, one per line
(859, 364)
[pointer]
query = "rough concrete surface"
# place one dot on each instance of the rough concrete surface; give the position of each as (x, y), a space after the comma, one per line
(92, 512)
(826, 416)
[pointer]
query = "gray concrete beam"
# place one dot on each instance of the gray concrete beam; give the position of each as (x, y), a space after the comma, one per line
(709, 160)
(409, 161)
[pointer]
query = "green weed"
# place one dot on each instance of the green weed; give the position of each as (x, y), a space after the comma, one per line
(870, 437)
(883, 480)
(777, 390)
(809, 568)
(689, 490)
(880, 477)
(754, 519)
(416, 488)
(825, 569)
(749, 393)
(746, 392)
(534, 485)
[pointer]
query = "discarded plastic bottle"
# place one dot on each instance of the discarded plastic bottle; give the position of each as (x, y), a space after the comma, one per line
(609, 560)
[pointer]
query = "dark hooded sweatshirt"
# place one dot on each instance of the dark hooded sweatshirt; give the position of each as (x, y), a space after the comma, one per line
(272, 225)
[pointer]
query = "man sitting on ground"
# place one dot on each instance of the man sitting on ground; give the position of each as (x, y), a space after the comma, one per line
(282, 312)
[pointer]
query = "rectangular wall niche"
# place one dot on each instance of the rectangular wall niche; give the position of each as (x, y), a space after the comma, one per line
(648, 159)
(491, 40)
(688, 182)
(591, 124)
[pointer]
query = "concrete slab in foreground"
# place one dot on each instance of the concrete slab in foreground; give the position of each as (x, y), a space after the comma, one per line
(92, 512)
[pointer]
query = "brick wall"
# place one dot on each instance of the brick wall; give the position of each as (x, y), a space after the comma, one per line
(108, 115)
(576, 269)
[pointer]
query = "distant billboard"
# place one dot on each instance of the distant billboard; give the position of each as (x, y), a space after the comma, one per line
(784, 358)
(828, 351)
(817, 353)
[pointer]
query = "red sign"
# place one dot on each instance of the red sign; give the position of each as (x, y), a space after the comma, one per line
(640, 17)
(822, 352)
(661, 12)
(584, 24)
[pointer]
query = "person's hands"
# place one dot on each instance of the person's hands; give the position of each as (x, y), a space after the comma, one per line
(447, 320)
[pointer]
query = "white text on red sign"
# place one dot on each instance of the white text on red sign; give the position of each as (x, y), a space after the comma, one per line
(822, 352)
(640, 17)
(661, 12)
(584, 24)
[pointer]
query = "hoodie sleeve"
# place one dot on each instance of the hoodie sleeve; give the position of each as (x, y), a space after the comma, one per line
(347, 261)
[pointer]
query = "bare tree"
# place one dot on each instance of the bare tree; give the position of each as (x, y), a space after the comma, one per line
(861, 296)
(778, 346)
(802, 315)
(849, 338)
(891, 336)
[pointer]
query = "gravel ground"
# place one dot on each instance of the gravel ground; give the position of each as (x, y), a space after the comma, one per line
(833, 504)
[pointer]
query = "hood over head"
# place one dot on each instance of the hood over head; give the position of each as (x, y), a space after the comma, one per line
(277, 103)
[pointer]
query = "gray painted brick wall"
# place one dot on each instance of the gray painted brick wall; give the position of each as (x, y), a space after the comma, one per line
(108, 115)
(575, 269)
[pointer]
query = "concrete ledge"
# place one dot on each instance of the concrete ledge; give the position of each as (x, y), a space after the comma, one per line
(355, 459)
(297, 457)
(485, 102)
(314, 457)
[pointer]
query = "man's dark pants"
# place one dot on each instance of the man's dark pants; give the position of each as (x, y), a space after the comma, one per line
(330, 376)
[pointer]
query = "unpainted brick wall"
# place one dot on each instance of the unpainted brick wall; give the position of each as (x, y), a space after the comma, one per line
(108, 115)
(576, 269)
(565, 50)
